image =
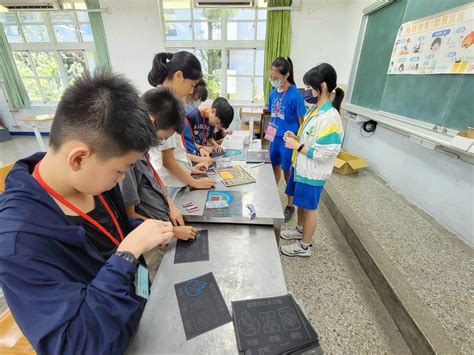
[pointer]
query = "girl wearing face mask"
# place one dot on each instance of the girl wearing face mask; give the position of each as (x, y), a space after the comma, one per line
(315, 149)
(287, 109)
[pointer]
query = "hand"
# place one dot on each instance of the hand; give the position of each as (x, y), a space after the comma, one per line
(217, 148)
(205, 159)
(185, 232)
(176, 216)
(200, 168)
(290, 134)
(291, 143)
(205, 152)
(203, 184)
(147, 236)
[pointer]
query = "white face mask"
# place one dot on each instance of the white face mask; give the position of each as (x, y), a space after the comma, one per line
(276, 83)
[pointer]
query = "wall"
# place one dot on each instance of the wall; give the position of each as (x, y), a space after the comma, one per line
(435, 182)
(325, 31)
(134, 36)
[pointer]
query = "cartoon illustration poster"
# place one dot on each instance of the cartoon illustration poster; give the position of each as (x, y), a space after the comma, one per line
(439, 44)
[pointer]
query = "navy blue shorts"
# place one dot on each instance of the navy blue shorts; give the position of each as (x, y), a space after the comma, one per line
(279, 155)
(304, 195)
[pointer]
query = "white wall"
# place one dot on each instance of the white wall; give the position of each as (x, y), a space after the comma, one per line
(325, 31)
(437, 183)
(134, 36)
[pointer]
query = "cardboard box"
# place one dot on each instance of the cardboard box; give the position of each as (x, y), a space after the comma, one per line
(347, 163)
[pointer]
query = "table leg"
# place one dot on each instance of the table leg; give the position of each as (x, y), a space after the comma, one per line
(251, 129)
(39, 138)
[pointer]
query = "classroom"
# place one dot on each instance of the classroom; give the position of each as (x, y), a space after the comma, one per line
(236, 177)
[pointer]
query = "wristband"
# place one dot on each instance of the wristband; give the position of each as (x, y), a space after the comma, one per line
(301, 147)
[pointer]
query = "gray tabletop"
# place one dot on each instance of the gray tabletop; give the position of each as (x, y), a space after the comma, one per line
(245, 263)
(263, 194)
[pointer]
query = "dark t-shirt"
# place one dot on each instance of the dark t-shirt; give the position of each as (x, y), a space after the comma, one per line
(200, 126)
(140, 189)
(103, 244)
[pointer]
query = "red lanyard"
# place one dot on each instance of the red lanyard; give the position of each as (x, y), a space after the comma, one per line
(88, 218)
(157, 177)
(277, 108)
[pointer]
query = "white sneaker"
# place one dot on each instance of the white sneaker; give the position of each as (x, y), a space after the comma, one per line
(295, 250)
(291, 234)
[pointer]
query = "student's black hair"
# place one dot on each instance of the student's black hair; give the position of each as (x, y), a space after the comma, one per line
(165, 108)
(200, 91)
(104, 111)
(224, 111)
(324, 73)
(436, 40)
(284, 65)
(165, 64)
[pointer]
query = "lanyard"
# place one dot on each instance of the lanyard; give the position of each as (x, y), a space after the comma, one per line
(88, 218)
(308, 116)
(157, 177)
(277, 108)
(183, 137)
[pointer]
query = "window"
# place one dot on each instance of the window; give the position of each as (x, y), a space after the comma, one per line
(50, 48)
(229, 43)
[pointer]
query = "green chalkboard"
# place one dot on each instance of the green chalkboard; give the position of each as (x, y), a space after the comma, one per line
(442, 99)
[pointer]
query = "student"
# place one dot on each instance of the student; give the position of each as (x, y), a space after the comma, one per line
(198, 96)
(315, 149)
(68, 252)
(179, 72)
(205, 118)
(287, 108)
(143, 191)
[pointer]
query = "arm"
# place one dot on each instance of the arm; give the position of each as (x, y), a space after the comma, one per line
(198, 159)
(133, 214)
(170, 163)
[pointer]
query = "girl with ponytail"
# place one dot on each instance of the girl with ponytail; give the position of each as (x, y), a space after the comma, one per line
(287, 109)
(178, 72)
(315, 148)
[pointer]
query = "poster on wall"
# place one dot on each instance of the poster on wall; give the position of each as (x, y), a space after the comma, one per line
(438, 44)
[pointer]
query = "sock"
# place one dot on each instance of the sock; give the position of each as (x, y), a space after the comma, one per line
(304, 245)
(299, 229)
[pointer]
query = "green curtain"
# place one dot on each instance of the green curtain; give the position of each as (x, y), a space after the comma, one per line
(277, 39)
(16, 92)
(98, 32)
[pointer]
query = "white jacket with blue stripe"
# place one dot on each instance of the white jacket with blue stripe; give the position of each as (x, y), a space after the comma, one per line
(322, 133)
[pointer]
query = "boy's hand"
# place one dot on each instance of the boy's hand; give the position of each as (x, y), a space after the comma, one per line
(217, 148)
(176, 216)
(203, 184)
(185, 232)
(147, 236)
(205, 152)
(200, 168)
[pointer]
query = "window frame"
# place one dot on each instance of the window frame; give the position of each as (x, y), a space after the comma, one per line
(53, 46)
(223, 44)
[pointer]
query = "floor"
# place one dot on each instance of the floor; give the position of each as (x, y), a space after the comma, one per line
(19, 147)
(436, 264)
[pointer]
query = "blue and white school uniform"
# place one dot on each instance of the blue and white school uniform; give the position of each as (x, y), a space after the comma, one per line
(322, 134)
(286, 108)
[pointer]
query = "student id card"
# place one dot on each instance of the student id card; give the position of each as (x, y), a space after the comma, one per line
(271, 132)
(142, 285)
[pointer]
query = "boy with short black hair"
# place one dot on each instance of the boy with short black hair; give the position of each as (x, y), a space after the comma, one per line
(204, 119)
(68, 251)
(144, 193)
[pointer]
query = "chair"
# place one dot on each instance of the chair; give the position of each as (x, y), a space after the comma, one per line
(4, 170)
(12, 340)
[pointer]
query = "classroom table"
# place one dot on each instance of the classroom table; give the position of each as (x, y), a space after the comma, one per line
(246, 264)
(33, 121)
(263, 194)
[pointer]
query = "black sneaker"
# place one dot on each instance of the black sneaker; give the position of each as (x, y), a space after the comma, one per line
(289, 210)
